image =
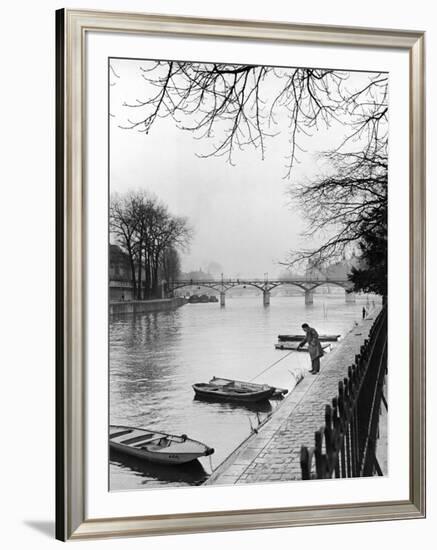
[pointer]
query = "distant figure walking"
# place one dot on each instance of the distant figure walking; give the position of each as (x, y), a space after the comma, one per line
(364, 312)
(314, 347)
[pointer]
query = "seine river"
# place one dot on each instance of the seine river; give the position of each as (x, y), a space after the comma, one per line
(156, 357)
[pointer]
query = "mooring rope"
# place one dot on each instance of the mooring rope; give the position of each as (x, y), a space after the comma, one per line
(251, 380)
(272, 365)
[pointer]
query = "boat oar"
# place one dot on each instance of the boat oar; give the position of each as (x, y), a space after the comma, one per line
(147, 441)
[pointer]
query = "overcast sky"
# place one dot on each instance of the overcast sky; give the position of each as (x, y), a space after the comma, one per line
(241, 215)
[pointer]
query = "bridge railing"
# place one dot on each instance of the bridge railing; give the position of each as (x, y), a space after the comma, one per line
(345, 446)
(261, 280)
(305, 283)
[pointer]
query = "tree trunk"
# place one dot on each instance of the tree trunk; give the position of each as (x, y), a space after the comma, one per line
(133, 275)
(155, 281)
(139, 272)
(146, 276)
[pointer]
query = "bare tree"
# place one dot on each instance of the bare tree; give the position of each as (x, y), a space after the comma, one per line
(145, 230)
(342, 205)
(123, 225)
(236, 106)
(239, 106)
(166, 232)
(170, 265)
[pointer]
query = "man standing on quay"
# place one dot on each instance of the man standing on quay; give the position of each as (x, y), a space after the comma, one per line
(314, 347)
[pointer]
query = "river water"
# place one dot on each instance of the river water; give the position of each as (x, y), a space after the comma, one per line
(156, 357)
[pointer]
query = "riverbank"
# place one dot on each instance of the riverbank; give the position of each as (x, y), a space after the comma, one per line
(155, 358)
(144, 306)
(273, 454)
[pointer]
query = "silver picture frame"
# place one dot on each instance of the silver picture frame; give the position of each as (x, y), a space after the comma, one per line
(72, 521)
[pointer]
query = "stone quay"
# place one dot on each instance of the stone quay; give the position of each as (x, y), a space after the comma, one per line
(273, 454)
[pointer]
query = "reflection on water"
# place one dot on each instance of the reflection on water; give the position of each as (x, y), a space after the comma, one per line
(222, 406)
(156, 357)
(143, 471)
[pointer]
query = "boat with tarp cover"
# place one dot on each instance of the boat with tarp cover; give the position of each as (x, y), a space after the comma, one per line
(300, 337)
(294, 346)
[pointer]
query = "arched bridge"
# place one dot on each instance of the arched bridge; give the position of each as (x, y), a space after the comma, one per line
(266, 286)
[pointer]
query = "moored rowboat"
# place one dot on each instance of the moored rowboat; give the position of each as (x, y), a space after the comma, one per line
(278, 393)
(233, 391)
(158, 447)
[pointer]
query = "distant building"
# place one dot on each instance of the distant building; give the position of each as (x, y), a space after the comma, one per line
(198, 275)
(120, 277)
(119, 266)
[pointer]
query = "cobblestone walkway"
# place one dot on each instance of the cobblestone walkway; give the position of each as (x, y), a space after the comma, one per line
(274, 453)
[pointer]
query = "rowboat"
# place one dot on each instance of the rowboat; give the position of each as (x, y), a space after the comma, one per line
(300, 337)
(295, 346)
(278, 393)
(233, 391)
(158, 447)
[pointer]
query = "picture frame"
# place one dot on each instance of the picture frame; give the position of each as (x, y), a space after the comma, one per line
(72, 519)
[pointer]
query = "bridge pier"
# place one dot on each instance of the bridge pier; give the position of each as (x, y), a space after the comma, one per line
(349, 297)
(266, 297)
(222, 299)
(309, 297)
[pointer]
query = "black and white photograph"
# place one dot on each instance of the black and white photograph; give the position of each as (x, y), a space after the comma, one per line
(247, 282)
(218, 274)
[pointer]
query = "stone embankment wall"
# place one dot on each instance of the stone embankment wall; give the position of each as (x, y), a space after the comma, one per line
(273, 454)
(144, 306)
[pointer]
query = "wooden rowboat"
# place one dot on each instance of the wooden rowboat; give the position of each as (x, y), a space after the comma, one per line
(278, 393)
(233, 391)
(158, 447)
(300, 337)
